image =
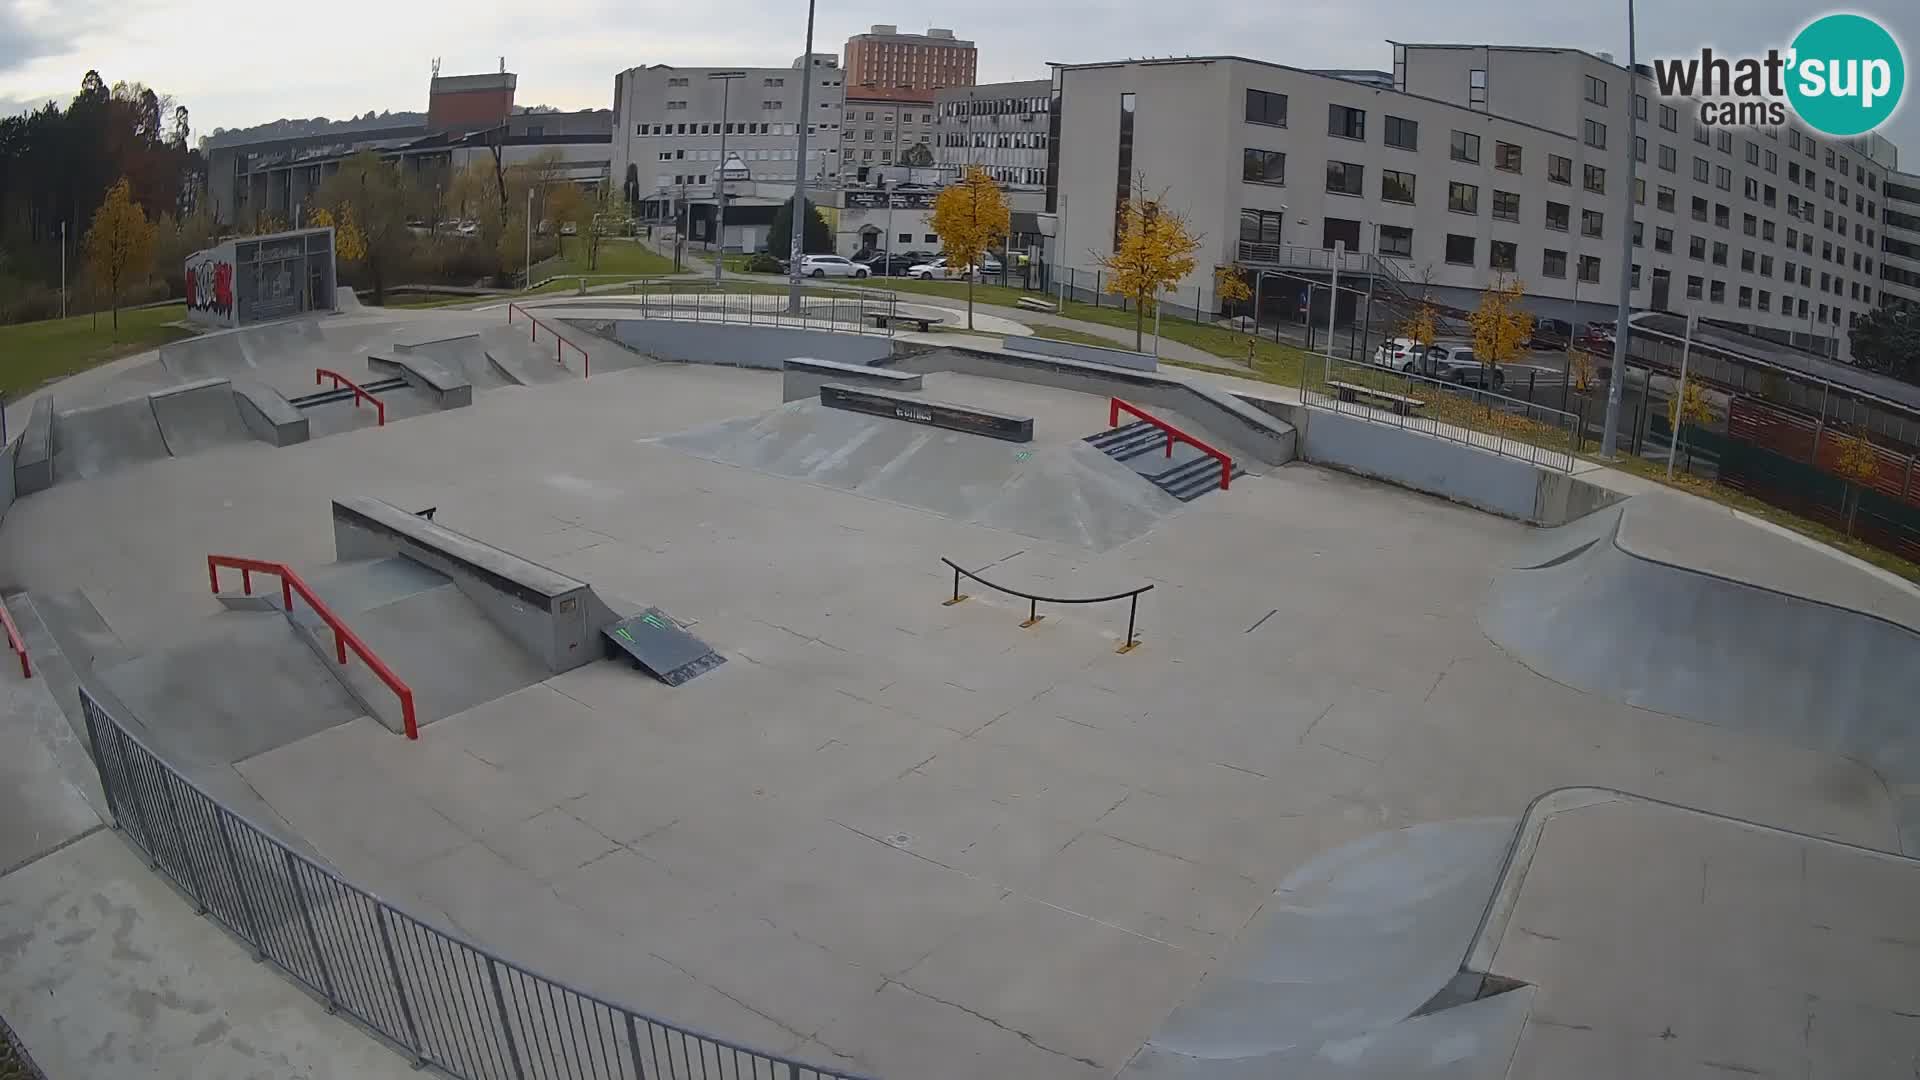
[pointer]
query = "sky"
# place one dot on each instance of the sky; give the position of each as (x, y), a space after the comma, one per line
(237, 64)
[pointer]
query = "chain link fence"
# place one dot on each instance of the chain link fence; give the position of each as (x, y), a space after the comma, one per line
(443, 1001)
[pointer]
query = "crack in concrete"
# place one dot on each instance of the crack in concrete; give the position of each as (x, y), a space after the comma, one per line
(775, 1021)
(1026, 1037)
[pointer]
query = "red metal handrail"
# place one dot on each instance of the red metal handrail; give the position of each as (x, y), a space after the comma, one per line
(343, 637)
(340, 380)
(560, 342)
(1116, 406)
(15, 641)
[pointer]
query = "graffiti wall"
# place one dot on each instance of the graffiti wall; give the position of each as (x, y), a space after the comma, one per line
(210, 286)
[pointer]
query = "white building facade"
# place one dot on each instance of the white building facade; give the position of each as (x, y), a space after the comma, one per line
(1488, 161)
(1001, 127)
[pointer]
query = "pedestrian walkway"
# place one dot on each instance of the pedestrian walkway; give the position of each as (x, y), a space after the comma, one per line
(105, 971)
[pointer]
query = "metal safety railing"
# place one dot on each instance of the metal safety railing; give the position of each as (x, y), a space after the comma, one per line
(445, 1002)
(1034, 600)
(343, 636)
(847, 310)
(15, 640)
(320, 375)
(561, 343)
(1115, 407)
(1450, 410)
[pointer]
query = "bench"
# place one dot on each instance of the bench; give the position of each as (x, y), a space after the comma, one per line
(1034, 303)
(924, 322)
(1400, 403)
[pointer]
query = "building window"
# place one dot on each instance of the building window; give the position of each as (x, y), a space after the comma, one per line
(1501, 255)
(1753, 153)
(1477, 89)
(1722, 216)
(1266, 108)
(1669, 118)
(1591, 222)
(1553, 263)
(1403, 134)
(1559, 169)
(1766, 300)
(1639, 234)
(1396, 240)
(1747, 260)
(1719, 253)
(1263, 166)
(1669, 158)
(1345, 178)
(1746, 296)
(1697, 248)
(1261, 226)
(1463, 198)
(1123, 185)
(1723, 141)
(1596, 90)
(1590, 268)
(1396, 186)
(1596, 179)
(1506, 206)
(1593, 133)
(1702, 170)
(1749, 224)
(1663, 199)
(1773, 162)
(1557, 216)
(1459, 249)
(1640, 106)
(1717, 292)
(1770, 195)
(1723, 178)
(1639, 191)
(1696, 287)
(1465, 147)
(1506, 157)
(1346, 123)
(1663, 239)
(1639, 148)
(1700, 135)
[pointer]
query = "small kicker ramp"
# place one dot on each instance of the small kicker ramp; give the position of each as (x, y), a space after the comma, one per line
(174, 422)
(659, 646)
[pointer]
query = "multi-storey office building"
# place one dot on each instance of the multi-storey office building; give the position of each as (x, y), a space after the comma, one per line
(1482, 161)
(1001, 127)
(1900, 238)
(667, 132)
(882, 125)
(884, 56)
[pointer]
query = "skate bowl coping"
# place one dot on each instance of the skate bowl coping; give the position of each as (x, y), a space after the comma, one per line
(554, 617)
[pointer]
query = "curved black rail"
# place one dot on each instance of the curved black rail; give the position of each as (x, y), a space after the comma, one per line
(1034, 600)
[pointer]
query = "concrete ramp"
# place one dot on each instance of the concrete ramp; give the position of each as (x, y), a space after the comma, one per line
(1064, 492)
(462, 354)
(199, 416)
(1606, 619)
(103, 439)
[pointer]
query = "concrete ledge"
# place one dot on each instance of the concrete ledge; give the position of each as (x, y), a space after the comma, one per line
(1242, 427)
(802, 377)
(554, 617)
(940, 414)
(1092, 354)
(410, 344)
(449, 391)
(742, 345)
(269, 415)
(33, 456)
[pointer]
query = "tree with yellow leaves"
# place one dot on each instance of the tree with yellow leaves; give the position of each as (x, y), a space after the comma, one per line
(348, 244)
(119, 245)
(1856, 461)
(1153, 251)
(1230, 287)
(1500, 324)
(1689, 406)
(969, 216)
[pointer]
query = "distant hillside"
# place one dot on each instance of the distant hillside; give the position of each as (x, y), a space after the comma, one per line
(320, 125)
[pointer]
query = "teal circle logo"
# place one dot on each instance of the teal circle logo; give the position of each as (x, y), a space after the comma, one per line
(1847, 74)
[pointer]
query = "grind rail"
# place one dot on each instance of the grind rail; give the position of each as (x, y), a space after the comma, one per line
(1034, 600)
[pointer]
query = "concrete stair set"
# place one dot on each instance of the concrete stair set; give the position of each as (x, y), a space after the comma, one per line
(1186, 474)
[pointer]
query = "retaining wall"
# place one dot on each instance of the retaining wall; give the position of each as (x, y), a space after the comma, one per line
(745, 346)
(1092, 354)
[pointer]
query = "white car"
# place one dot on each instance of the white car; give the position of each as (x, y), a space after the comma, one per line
(930, 271)
(830, 266)
(1397, 353)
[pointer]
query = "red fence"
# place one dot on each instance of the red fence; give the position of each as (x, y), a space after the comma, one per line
(560, 343)
(1800, 438)
(343, 637)
(322, 374)
(1115, 407)
(14, 641)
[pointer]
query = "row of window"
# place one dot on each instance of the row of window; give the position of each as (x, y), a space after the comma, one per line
(777, 80)
(887, 117)
(1016, 140)
(716, 129)
(995, 106)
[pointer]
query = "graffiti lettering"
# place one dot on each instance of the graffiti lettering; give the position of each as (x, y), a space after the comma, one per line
(210, 287)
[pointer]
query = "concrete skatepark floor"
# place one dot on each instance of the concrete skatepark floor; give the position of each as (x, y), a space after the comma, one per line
(911, 839)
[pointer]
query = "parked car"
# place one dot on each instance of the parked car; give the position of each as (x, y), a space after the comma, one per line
(1397, 353)
(930, 271)
(1455, 362)
(895, 265)
(1551, 334)
(830, 266)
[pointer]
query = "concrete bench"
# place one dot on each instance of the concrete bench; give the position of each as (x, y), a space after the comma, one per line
(1034, 303)
(924, 322)
(1400, 403)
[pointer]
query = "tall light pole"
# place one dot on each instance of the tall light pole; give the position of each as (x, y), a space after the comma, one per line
(725, 79)
(1617, 378)
(800, 171)
(528, 284)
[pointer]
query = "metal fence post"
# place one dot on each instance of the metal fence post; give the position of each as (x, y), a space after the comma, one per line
(313, 939)
(506, 1021)
(399, 988)
(633, 1047)
(240, 888)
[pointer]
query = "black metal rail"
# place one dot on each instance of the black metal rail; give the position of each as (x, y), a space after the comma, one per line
(1034, 600)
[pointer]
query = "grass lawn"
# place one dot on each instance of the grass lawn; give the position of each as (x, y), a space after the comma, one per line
(33, 354)
(617, 257)
(1078, 337)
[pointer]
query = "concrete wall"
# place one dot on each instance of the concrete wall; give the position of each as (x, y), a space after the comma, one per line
(746, 346)
(1237, 426)
(33, 455)
(268, 415)
(210, 287)
(803, 376)
(1092, 354)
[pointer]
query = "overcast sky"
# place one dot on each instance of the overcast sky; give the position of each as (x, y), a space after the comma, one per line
(235, 64)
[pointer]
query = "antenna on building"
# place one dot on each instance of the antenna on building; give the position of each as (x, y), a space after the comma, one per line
(436, 67)
(503, 65)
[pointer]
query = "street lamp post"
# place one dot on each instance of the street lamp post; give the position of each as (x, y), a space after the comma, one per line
(725, 79)
(800, 171)
(1617, 378)
(528, 283)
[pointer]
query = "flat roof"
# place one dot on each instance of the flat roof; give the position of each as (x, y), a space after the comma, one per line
(1759, 350)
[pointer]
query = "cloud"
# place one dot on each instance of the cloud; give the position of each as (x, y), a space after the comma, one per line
(25, 38)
